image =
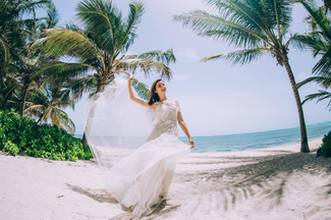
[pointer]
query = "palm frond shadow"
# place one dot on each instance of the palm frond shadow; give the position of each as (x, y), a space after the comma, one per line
(266, 176)
(101, 196)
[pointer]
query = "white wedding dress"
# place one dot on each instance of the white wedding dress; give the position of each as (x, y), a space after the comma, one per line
(141, 180)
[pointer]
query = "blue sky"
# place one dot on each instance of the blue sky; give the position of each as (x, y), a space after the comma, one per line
(216, 97)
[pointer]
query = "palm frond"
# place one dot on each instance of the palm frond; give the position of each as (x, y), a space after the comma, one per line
(252, 14)
(279, 13)
(240, 56)
(145, 65)
(323, 66)
(312, 41)
(141, 88)
(206, 24)
(61, 120)
(135, 14)
(240, 11)
(319, 16)
(104, 23)
(81, 85)
(57, 70)
(319, 96)
(319, 40)
(309, 80)
(32, 6)
(52, 18)
(61, 42)
(165, 57)
(33, 107)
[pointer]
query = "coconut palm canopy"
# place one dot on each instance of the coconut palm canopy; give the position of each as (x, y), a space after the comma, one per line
(101, 46)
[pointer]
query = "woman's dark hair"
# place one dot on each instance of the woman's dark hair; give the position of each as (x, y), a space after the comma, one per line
(154, 97)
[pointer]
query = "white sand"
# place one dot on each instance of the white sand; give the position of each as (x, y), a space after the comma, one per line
(272, 183)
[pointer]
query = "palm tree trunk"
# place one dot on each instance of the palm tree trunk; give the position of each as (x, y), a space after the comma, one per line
(39, 120)
(22, 104)
(303, 130)
(84, 140)
(2, 96)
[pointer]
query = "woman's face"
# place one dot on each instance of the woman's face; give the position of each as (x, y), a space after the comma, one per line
(160, 87)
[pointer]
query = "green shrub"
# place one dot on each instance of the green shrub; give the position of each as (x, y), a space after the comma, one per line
(325, 149)
(45, 141)
(11, 148)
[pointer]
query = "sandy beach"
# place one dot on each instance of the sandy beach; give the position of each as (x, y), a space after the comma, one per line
(272, 183)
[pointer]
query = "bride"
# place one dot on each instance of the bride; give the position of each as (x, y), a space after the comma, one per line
(140, 181)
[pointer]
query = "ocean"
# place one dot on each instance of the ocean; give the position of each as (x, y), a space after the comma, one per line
(264, 139)
(256, 140)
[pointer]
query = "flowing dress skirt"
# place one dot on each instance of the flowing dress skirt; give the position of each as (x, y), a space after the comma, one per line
(142, 179)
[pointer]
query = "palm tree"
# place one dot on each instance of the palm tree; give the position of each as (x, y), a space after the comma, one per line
(27, 75)
(258, 27)
(319, 42)
(46, 104)
(32, 61)
(19, 26)
(102, 45)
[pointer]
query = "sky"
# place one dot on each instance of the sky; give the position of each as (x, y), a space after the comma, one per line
(216, 97)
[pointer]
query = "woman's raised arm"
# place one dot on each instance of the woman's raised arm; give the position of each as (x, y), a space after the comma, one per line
(134, 98)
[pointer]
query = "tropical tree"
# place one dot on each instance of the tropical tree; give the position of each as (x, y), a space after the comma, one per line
(318, 40)
(258, 27)
(46, 104)
(32, 62)
(101, 47)
(16, 19)
(30, 80)
(19, 26)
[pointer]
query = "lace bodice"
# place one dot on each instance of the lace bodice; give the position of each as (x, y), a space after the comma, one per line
(165, 118)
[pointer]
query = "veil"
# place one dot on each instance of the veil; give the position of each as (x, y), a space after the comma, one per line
(116, 125)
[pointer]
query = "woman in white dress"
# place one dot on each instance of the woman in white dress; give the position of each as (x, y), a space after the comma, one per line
(140, 181)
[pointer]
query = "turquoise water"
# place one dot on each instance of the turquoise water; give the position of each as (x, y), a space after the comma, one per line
(256, 140)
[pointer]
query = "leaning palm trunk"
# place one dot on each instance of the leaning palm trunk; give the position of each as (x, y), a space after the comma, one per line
(257, 28)
(303, 130)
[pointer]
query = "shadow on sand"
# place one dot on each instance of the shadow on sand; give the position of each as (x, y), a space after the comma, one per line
(266, 176)
(97, 195)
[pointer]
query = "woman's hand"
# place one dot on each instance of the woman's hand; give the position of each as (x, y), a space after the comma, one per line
(191, 141)
(131, 77)
(132, 95)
